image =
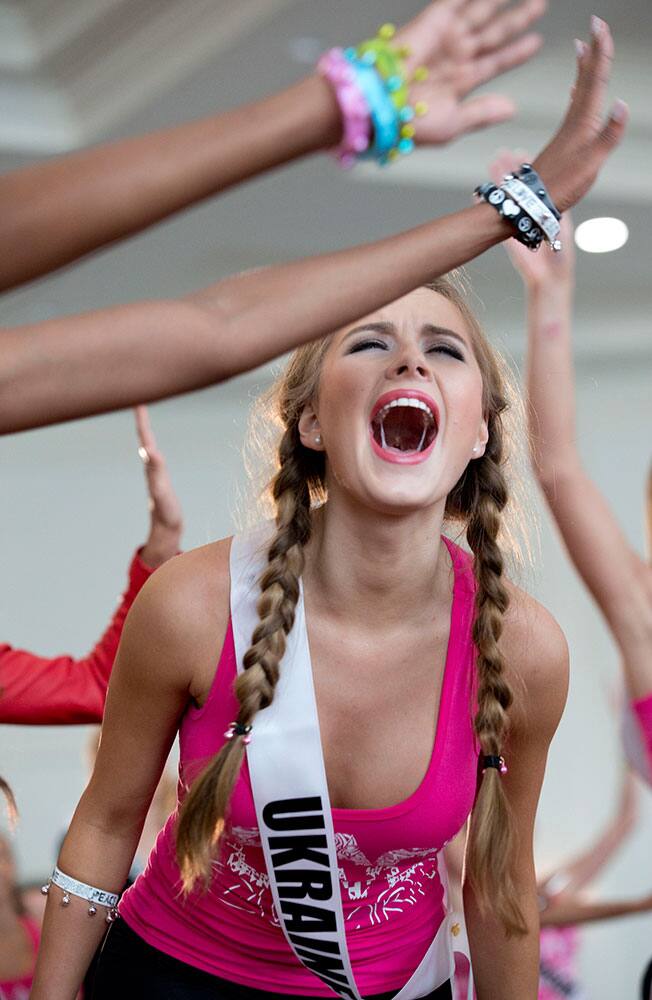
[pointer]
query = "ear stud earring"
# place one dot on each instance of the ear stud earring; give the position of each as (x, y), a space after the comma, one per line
(317, 438)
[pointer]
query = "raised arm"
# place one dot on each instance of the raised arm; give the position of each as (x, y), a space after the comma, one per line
(56, 211)
(89, 364)
(173, 631)
(63, 690)
(619, 580)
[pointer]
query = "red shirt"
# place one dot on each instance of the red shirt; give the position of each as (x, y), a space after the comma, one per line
(35, 690)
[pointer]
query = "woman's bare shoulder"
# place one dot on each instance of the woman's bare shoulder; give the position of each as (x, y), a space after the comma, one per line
(536, 655)
(183, 609)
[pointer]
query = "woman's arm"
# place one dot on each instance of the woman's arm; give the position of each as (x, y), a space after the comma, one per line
(618, 579)
(62, 690)
(571, 908)
(73, 367)
(175, 629)
(537, 656)
(56, 211)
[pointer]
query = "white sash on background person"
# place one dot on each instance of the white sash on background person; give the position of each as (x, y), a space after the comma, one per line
(288, 778)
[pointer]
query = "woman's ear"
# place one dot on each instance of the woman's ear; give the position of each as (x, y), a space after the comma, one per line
(481, 440)
(309, 429)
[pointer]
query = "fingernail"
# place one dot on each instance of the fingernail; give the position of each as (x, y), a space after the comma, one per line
(619, 111)
(580, 47)
(597, 26)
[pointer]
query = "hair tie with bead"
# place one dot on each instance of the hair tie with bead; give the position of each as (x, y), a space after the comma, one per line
(238, 729)
(491, 760)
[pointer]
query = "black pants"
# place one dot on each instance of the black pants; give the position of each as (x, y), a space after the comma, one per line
(646, 985)
(129, 968)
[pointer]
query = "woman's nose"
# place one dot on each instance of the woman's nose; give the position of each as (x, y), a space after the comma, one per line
(410, 363)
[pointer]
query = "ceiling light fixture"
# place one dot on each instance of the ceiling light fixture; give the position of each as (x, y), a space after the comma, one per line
(601, 235)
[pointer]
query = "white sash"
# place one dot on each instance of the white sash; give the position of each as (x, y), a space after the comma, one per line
(288, 779)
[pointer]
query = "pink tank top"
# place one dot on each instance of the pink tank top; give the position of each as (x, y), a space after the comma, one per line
(643, 711)
(390, 881)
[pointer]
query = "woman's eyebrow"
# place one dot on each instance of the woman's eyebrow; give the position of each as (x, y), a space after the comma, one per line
(378, 327)
(430, 328)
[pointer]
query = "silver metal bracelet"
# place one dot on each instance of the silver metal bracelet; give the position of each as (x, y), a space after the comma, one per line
(534, 207)
(95, 897)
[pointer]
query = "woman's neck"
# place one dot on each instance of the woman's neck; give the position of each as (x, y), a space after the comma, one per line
(365, 563)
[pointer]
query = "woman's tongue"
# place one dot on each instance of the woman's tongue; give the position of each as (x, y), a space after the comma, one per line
(402, 429)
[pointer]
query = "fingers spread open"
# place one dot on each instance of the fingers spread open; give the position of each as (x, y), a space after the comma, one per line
(477, 13)
(487, 67)
(499, 31)
(594, 70)
(487, 109)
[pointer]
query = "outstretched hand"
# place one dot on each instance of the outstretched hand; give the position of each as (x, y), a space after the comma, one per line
(572, 160)
(166, 519)
(462, 44)
(543, 268)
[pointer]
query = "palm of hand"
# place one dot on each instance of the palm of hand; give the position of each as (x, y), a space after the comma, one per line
(464, 43)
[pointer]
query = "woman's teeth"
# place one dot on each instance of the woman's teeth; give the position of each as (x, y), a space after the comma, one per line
(404, 425)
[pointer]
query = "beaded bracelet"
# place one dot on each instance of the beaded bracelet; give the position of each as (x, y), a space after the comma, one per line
(384, 117)
(374, 100)
(356, 117)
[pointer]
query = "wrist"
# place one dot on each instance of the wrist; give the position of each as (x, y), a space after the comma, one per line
(553, 289)
(316, 98)
(161, 545)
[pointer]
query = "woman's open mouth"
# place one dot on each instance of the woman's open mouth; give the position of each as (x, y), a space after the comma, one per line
(403, 426)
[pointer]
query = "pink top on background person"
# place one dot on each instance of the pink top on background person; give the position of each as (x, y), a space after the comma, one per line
(18, 989)
(390, 876)
(642, 709)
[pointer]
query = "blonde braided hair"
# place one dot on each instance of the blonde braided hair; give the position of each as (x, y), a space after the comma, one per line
(477, 501)
(300, 473)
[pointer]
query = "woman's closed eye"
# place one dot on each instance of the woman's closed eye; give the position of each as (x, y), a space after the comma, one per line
(366, 345)
(444, 348)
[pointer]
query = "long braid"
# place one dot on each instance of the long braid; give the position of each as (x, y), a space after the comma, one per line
(482, 494)
(204, 810)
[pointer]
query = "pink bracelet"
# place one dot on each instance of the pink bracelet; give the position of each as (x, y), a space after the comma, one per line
(356, 119)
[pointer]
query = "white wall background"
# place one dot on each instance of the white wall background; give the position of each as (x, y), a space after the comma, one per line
(72, 511)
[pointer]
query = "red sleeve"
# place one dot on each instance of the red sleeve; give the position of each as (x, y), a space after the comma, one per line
(35, 690)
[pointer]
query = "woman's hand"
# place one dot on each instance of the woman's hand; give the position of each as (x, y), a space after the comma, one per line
(166, 519)
(464, 43)
(573, 158)
(541, 270)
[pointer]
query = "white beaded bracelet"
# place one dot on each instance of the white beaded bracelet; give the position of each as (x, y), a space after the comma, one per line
(71, 887)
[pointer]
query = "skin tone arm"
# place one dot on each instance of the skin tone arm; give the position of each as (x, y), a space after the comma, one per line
(74, 367)
(509, 967)
(619, 580)
(56, 211)
(166, 519)
(174, 626)
(571, 908)
(217, 333)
